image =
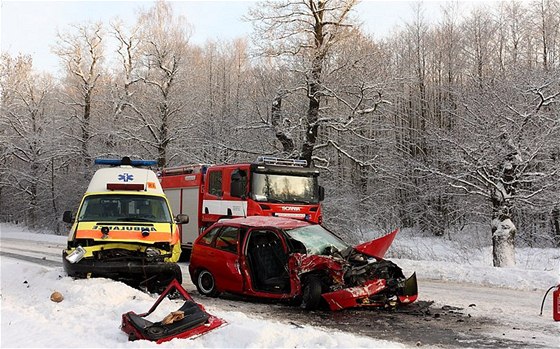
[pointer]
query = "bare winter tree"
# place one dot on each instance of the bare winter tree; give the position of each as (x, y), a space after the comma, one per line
(547, 20)
(308, 31)
(81, 51)
(26, 123)
(502, 151)
(163, 47)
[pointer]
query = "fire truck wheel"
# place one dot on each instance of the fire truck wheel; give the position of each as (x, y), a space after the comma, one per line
(311, 297)
(206, 284)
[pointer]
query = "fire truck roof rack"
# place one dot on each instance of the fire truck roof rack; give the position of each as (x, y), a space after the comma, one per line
(270, 160)
(187, 169)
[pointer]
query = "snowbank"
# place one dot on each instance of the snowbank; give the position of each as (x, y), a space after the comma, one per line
(90, 314)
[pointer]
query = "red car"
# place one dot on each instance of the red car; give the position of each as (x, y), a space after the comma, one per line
(283, 258)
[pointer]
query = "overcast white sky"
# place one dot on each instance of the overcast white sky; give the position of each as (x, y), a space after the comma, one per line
(30, 27)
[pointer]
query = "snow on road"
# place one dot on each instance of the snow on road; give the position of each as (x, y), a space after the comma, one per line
(91, 312)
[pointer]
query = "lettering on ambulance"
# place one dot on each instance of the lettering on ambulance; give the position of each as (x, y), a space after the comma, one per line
(116, 227)
(220, 207)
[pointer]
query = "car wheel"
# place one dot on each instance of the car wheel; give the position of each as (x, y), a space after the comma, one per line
(206, 284)
(311, 295)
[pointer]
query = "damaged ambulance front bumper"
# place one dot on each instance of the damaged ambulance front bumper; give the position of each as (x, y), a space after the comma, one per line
(153, 276)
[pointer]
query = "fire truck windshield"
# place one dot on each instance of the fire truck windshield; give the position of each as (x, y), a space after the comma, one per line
(284, 188)
(130, 208)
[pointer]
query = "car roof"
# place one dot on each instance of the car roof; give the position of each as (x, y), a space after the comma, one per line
(267, 221)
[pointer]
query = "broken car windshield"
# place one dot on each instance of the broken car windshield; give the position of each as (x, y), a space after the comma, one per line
(316, 239)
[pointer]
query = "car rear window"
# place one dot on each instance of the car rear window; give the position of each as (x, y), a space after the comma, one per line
(228, 239)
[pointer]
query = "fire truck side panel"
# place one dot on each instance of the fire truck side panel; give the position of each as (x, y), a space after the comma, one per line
(223, 208)
(184, 194)
(185, 201)
(191, 206)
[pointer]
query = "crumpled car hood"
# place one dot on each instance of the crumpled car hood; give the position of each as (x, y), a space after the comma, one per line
(378, 247)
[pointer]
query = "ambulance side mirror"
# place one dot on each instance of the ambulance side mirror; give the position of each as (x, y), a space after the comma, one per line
(182, 219)
(67, 217)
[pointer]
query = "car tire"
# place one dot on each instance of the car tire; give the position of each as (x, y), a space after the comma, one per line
(206, 284)
(311, 293)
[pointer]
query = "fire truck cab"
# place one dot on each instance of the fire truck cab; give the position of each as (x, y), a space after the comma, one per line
(267, 187)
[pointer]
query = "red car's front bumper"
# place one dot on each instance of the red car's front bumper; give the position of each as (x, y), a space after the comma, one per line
(360, 296)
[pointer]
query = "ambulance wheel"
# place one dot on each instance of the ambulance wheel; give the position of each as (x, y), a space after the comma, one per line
(206, 284)
(311, 295)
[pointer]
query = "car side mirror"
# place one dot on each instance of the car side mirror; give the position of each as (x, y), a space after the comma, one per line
(182, 218)
(67, 217)
(321, 193)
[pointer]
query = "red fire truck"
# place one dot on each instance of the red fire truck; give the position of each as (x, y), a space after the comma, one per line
(267, 187)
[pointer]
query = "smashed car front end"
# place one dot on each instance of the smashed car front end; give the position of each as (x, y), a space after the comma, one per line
(378, 283)
(355, 276)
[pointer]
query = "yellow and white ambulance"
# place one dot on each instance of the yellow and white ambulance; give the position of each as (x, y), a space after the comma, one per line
(124, 229)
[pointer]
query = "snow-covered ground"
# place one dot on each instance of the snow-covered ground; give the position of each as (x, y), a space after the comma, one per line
(90, 314)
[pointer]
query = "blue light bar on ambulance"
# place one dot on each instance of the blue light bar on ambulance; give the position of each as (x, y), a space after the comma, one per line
(125, 161)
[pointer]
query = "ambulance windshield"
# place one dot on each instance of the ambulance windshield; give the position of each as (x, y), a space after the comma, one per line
(129, 208)
(284, 188)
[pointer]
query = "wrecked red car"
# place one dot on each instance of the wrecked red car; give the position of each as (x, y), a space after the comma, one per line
(283, 258)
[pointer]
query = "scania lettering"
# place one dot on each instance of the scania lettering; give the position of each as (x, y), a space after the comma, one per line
(124, 229)
(268, 187)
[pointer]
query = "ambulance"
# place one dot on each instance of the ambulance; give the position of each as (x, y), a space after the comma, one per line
(124, 229)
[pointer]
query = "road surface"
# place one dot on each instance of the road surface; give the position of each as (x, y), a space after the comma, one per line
(447, 314)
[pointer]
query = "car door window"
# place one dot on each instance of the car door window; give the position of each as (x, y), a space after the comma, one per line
(228, 239)
(208, 237)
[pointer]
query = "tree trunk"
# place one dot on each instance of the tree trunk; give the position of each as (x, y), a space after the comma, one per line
(288, 145)
(503, 234)
(503, 248)
(312, 111)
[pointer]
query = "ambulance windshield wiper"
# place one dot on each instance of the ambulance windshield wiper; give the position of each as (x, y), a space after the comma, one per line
(135, 219)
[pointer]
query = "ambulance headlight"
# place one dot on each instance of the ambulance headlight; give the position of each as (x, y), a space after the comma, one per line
(152, 252)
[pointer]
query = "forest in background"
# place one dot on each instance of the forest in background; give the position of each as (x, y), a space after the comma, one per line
(444, 127)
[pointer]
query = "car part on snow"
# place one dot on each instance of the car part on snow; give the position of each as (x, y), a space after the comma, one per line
(555, 302)
(188, 321)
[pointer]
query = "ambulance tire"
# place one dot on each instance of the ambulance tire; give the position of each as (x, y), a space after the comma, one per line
(206, 284)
